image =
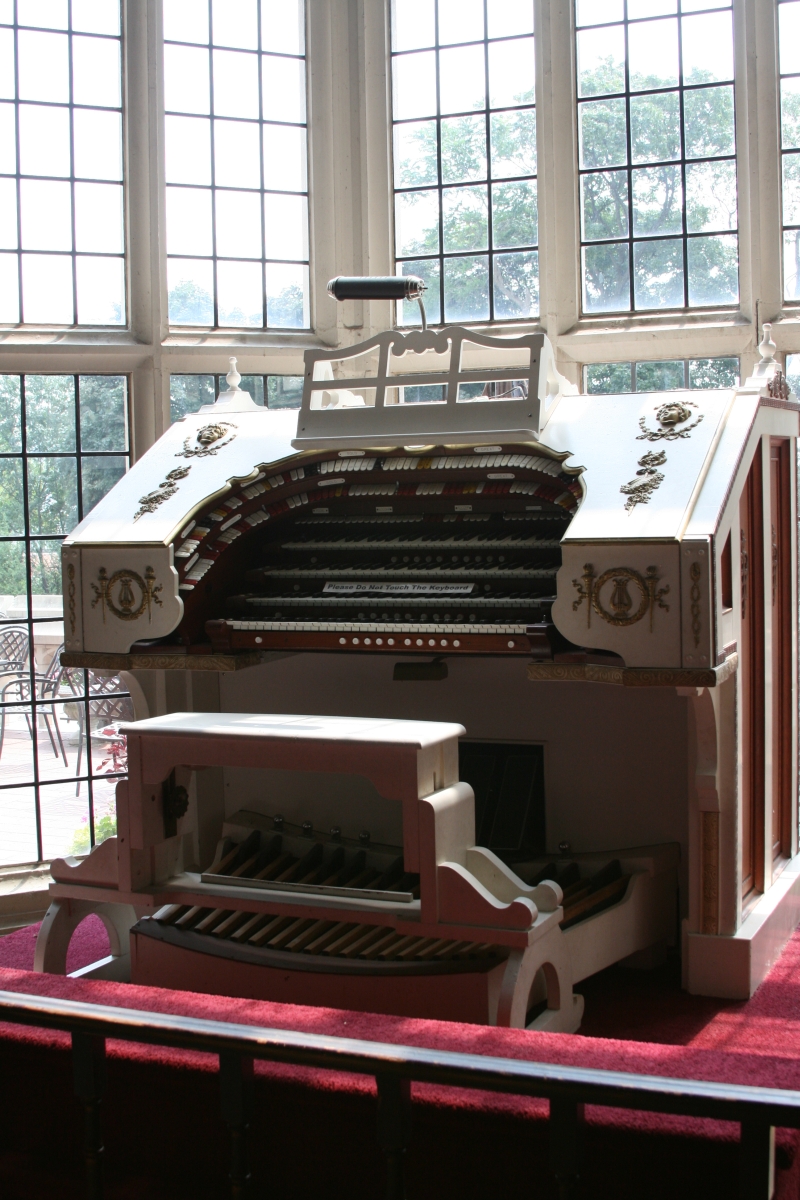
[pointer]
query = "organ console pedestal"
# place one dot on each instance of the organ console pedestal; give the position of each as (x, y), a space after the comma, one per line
(447, 532)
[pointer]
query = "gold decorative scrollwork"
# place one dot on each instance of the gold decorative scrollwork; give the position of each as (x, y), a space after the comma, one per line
(640, 490)
(125, 606)
(71, 596)
(590, 586)
(695, 571)
(168, 487)
(778, 387)
(209, 440)
(669, 417)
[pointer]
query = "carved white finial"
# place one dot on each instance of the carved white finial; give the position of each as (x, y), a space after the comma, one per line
(767, 346)
(233, 378)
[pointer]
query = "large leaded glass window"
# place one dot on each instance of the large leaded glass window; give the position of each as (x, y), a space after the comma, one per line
(63, 445)
(237, 198)
(657, 154)
(789, 17)
(61, 204)
(464, 128)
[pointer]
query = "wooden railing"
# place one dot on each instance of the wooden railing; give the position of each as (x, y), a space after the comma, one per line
(758, 1110)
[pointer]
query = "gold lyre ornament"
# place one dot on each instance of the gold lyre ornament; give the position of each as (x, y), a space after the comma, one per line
(624, 609)
(125, 605)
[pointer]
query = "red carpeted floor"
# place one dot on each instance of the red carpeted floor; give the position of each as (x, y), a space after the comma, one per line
(314, 1131)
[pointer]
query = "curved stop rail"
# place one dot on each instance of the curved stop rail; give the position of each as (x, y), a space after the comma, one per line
(757, 1109)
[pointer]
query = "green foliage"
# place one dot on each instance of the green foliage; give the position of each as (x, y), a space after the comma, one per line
(659, 376)
(104, 827)
(190, 304)
(613, 378)
(104, 412)
(187, 393)
(284, 391)
(286, 309)
(608, 379)
(713, 372)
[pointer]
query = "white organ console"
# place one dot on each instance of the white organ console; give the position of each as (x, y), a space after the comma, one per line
(601, 590)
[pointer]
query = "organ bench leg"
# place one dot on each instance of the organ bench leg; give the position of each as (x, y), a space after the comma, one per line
(60, 922)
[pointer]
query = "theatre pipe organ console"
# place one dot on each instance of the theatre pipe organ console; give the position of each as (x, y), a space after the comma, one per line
(445, 500)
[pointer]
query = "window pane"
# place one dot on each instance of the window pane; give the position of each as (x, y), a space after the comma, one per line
(12, 504)
(465, 219)
(10, 415)
(714, 270)
(50, 413)
(413, 24)
(466, 289)
(284, 391)
(658, 274)
(190, 283)
(660, 376)
(287, 295)
(608, 379)
(238, 223)
(660, 56)
(237, 162)
(244, 156)
(100, 284)
(188, 150)
(43, 140)
(516, 285)
(606, 278)
(240, 288)
(603, 133)
(104, 416)
(98, 476)
(47, 294)
(187, 393)
(513, 136)
(438, 226)
(283, 26)
(98, 144)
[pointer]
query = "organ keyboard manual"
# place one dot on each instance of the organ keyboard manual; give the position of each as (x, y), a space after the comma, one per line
(601, 590)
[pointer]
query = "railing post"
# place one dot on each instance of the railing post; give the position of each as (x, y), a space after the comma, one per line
(89, 1076)
(756, 1161)
(394, 1129)
(566, 1143)
(235, 1074)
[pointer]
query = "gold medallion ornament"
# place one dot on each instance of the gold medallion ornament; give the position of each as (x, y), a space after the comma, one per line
(624, 609)
(118, 593)
(648, 479)
(168, 487)
(669, 417)
(209, 439)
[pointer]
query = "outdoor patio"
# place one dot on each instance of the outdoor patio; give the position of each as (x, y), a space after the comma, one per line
(64, 815)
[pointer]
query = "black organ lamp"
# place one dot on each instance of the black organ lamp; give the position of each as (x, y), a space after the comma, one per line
(380, 287)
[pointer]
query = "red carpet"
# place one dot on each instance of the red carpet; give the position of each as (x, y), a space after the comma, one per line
(314, 1131)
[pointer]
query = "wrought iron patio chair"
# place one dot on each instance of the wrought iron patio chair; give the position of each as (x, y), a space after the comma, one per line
(46, 688)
